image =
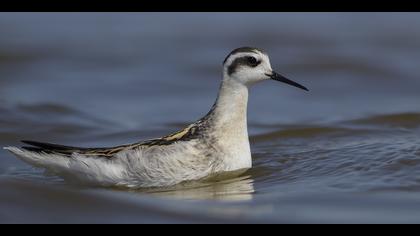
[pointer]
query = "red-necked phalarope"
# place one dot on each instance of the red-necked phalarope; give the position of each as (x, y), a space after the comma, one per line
(212, 146)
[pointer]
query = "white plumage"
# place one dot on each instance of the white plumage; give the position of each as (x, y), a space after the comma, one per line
(216, 145)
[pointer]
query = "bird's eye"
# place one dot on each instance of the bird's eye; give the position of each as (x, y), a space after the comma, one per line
(252, 61)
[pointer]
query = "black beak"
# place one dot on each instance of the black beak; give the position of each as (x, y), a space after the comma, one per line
(275, 76)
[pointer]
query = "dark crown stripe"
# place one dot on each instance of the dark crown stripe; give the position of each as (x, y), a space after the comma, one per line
(241, 50)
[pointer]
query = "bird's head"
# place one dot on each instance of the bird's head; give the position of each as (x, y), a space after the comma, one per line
(249, 65)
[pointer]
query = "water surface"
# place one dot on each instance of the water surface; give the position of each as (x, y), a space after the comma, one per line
(347, 151)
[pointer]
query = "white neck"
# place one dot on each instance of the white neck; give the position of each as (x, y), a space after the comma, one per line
(229, 120)
(230, 111)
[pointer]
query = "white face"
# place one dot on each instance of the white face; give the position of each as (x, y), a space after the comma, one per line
(247, 67)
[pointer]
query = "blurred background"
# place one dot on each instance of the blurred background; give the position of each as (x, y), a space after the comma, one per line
(347, 151)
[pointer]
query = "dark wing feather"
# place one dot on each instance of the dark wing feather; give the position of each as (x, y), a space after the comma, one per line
(68, 150)
(191, 132)
(52, 147)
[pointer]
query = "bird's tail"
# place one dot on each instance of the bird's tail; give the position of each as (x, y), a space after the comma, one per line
(40, 159)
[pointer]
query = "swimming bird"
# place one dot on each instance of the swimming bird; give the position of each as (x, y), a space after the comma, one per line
(213, 146)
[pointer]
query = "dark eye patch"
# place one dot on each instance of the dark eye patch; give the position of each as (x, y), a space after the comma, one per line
(252, 61)
(247, 61)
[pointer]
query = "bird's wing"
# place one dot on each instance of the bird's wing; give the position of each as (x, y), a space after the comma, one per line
(184, 135)
(68, 150)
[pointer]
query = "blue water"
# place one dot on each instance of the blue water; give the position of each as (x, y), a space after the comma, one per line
(347, 151)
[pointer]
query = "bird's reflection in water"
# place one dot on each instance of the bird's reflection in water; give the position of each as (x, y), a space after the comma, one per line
(235, 189)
